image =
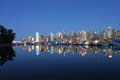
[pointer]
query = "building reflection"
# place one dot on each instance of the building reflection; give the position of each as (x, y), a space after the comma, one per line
(6, 54)
(82, 50)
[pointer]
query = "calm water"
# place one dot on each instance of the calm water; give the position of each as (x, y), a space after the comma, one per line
(58, 63)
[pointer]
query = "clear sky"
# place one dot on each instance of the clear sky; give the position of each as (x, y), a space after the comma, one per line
(26, 17)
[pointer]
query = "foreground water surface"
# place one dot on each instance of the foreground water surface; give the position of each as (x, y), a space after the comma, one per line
(59, 63)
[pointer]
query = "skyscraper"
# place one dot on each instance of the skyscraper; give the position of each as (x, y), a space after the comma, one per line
(83, 36)
(51, 37)
(108, 33)
(37, 37)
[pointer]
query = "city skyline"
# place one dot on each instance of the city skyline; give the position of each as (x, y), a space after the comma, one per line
(26, 17)
(108, 36)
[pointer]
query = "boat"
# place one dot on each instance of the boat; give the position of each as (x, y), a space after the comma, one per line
(6, 35)
(116, 42)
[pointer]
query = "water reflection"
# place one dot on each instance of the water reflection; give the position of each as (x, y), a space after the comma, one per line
(82, 50)
(6, 54)
(54, 67)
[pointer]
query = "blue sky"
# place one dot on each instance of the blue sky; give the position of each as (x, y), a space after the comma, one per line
(26, 17)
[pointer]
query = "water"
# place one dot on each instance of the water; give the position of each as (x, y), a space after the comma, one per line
(59, 63)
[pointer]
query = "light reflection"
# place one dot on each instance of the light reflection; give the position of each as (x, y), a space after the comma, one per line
(81, 50)
(37, 50)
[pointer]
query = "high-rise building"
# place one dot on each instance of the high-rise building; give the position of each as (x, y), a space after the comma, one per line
(51, 38)
(59, 35)
(108, 32)
(83, 35)
(90, 35)
(29, 39)
(37, 37)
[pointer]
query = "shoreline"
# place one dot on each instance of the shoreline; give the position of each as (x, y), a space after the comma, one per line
(43, 44)
(59, 44)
